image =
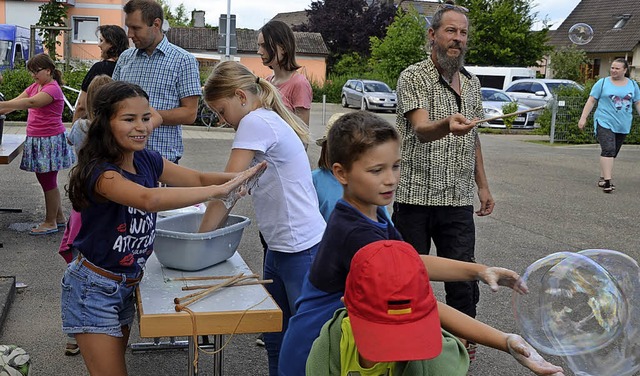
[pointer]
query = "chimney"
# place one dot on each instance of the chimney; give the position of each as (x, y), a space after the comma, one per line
(198, 18)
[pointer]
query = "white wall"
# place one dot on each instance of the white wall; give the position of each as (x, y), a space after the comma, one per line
(22, 13)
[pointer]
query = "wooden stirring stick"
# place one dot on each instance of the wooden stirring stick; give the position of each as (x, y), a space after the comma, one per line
(507, 115)
(183, 298)
(201, 278)
(206, 292)
(248, 283)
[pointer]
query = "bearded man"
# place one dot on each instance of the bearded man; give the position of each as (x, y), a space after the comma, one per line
(438, 101)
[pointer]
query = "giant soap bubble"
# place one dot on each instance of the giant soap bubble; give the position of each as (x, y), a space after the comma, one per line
(580, 33)
(584, 307)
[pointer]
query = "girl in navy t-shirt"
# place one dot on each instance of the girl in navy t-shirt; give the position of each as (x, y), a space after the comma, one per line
(114, 186)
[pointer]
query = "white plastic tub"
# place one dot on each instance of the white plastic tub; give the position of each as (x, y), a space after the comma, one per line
(178, 245)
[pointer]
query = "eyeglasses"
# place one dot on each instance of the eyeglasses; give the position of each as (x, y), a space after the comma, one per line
(459, 8)
(34, 72)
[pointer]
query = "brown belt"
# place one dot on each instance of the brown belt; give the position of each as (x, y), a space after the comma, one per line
(129, 282)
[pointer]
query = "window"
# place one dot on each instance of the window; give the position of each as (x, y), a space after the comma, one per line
(536, 87)
(622, 20)
(84, 29)
(520, 87)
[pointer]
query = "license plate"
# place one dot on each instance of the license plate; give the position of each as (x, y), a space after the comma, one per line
(387, 105)
(520, 118)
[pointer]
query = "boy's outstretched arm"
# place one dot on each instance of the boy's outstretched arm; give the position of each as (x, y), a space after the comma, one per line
(463, 326)
(447, 270)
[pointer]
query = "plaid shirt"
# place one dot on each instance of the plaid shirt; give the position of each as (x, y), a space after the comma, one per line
(168, 75)
(441, 172)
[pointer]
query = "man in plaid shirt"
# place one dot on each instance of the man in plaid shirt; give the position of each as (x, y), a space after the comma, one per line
(166, 72)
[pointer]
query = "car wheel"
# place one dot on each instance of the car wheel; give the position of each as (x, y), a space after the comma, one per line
(344, 102)
(365, 105)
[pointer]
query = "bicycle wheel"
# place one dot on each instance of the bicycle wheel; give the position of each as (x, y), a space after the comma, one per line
(209, 117)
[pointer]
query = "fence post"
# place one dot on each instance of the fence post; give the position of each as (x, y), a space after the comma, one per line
(554, 113)
(324, 109)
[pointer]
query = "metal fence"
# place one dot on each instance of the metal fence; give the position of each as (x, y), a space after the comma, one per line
(565, 113)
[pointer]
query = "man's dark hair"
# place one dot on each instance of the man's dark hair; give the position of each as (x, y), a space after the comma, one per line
(446, 6)
(150, 10)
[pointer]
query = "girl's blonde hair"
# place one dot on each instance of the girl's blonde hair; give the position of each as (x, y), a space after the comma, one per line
(229, 76)
(97, 82)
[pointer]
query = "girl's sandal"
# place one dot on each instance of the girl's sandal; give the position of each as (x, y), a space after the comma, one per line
(43, 230)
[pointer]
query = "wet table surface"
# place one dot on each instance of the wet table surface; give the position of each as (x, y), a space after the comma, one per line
(237, 309)
(11, 147)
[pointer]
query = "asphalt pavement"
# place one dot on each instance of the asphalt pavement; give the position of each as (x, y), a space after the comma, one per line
(546, 201)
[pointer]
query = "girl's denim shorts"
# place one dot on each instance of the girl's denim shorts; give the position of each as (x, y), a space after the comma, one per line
(94, 304)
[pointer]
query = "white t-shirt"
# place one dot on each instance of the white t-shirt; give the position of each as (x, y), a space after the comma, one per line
(285, 200)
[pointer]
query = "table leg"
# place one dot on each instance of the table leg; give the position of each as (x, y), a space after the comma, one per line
(10, 210)
(218, 357)
(192, 371)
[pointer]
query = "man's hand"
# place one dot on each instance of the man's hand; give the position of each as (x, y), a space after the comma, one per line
(486, 202)
(460, 125)
(529, 357)
(495, 277)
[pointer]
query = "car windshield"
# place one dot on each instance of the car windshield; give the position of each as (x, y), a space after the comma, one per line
(553, 86)
(495, 96)
(376, 87)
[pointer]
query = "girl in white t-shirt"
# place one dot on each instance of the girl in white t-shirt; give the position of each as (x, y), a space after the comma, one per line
(285, 200)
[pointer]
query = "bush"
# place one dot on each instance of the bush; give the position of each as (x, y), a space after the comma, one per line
(332, 87)
(17, 80)
(566, 127)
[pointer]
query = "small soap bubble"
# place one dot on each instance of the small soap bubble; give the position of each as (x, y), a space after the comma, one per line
(580, 33)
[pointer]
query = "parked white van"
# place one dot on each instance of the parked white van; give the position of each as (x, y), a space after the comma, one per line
(500, 77)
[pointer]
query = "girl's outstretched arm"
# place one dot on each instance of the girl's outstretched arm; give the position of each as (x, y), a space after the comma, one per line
(179, 176)
(24, 102)
(217, 212)
(463, 326)
(114, 187)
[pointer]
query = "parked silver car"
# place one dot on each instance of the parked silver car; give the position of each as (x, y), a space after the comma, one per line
(535, 92)
(492, 102)
(368, 95)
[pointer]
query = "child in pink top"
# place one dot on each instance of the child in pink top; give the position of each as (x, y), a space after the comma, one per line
(277, 48)
(45, 150)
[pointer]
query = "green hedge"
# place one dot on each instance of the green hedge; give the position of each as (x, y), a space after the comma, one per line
(566, 126)
(332, 87)
(17, 80)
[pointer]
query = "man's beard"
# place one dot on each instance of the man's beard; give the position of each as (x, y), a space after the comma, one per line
(449, 65)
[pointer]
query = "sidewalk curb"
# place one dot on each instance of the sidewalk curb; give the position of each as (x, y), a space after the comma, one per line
(7, 294)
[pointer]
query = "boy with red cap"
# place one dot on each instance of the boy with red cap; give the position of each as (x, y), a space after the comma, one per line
(364, 152)
(391, 326)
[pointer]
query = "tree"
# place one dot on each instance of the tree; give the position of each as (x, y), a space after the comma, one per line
(179, 19)
(403, 45)
(347, 25)
(52, 13)
(501, 33)
(566, 62)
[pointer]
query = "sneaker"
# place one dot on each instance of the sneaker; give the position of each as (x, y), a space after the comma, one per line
(471, 350)
(608, 187)
(260, 340)
(71, 349)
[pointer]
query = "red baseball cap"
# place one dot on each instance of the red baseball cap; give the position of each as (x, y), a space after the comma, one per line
(392, 309)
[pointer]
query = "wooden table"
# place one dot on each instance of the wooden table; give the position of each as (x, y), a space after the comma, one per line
(239, 309)
(11, 147)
